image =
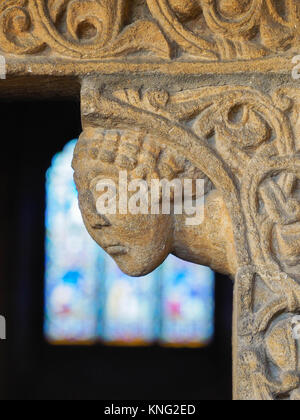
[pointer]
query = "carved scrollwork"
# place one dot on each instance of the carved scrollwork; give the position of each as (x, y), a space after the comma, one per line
(207, 29)
(271, 368)
(89, 24)
(227, 29)
(83, 29)
(17, 32)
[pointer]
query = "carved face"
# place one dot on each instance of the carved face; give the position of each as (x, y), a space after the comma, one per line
(138, 243)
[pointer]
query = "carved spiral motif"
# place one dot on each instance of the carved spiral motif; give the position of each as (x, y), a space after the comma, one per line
(92, 29)
(96, 29)
(17, 32)
(233, 8)
(90, 25)
(232, 18)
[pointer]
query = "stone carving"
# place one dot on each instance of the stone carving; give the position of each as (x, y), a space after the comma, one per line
(244, 144)
(228, 29)
(207, 29)
(76, 28)
(140, 243)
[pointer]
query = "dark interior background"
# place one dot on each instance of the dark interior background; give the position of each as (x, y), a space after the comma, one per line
(30, 368)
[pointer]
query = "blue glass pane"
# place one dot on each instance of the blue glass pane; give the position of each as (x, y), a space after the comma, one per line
(187, 303)
(72, 275)
(88, 298)
(130, 311)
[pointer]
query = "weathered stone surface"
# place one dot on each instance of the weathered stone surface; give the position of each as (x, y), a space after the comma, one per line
(186, 89)
(205, 29)
(244, 141)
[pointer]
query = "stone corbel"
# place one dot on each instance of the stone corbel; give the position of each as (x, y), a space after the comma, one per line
(243, 142)
(188, 89)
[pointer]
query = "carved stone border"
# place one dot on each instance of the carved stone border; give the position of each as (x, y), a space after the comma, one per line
(40, 66)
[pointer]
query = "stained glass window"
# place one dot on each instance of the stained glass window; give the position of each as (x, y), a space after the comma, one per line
(89, 299)
(187, 303)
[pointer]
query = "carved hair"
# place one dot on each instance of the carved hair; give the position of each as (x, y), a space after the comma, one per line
(142, 156)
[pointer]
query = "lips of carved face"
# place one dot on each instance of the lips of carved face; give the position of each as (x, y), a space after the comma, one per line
(116, 250)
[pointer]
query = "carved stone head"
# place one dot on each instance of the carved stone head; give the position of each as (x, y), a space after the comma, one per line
(140, 241)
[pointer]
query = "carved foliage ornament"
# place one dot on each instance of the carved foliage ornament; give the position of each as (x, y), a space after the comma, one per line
(246, 144)
(229, 29)
(76, 28)
(99, 29)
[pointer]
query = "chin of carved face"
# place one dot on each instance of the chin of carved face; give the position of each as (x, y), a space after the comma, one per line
(138, 243)
(140, 262)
